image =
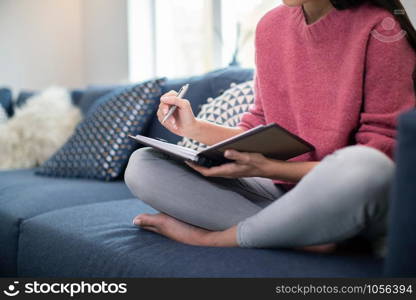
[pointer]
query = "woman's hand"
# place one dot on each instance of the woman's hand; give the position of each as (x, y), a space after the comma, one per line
(245, 165)
(256, 165)
(183, 121)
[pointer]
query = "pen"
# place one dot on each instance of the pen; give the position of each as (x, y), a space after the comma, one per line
(181, 93)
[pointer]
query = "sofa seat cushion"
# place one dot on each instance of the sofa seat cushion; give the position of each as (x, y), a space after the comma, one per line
(400, 261)
(24, 195)
(99, 240)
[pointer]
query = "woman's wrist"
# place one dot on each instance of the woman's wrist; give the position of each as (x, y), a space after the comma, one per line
(194, 130)
(286, 170)
(210, 133)
(271, 168)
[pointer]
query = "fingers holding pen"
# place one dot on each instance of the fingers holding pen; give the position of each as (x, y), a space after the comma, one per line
(169, 101)
(173, 100)
(170, 93)
(170, 124)
(175, 112)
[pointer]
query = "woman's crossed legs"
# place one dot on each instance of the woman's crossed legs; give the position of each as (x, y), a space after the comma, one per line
(344, 196)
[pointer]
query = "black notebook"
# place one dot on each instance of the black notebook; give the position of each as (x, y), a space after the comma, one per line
(270, 140)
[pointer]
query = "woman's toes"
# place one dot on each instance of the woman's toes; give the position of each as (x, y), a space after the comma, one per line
(137, 220)
(141, 220)
(144, 220)
(325, 248)
(150, 228)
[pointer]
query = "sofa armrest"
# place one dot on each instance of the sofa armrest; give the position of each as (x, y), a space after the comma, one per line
(401, 257)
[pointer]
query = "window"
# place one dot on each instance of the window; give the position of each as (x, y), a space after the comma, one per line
(188, 37)
(239, 20)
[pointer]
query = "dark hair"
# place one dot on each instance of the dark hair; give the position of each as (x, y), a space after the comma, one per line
(393, 6)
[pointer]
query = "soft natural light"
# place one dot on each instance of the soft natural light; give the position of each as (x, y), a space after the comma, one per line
(244, 14)
(141, 40)
(183, 37)
(187, 37)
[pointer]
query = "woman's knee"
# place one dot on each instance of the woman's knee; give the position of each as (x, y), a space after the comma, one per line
(140, 169)
(365, 165)
(364, 175)
(373, 172)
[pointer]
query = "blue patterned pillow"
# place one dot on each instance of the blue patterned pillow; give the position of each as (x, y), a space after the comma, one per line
(100, 147)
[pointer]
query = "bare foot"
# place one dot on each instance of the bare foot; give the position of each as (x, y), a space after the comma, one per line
(186, 233)
(192, 235)
(325, 248)
(172, 228)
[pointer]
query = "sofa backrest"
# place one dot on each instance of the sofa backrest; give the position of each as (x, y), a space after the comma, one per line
(401, 255)
(202, 87)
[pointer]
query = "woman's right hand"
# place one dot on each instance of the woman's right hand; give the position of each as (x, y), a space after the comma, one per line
(182, 121)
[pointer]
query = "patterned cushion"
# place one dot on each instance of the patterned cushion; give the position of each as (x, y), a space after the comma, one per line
(226, 109)
(100, 146)
(95, 93)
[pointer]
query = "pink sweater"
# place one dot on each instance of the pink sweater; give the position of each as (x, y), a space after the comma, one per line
(332, 82)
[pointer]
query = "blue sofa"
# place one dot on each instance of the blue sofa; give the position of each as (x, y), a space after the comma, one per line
(52, 227)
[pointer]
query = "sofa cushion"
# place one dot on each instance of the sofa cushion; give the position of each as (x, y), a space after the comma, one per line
(92, 94)
(99, 240)
(24, 195)
(401, 260)
(201, 88)
(76, 96)
(6, 101)
(100, 147)
(23, 97)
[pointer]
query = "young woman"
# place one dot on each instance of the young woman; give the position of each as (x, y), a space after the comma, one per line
(336, 72)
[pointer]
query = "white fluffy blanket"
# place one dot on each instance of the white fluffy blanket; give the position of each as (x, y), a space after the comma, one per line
(38, 129)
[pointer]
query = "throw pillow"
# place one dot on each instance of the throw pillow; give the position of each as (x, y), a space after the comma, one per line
(37, 129)
(226, 109)
(94, 93)
(100, 147)
(77, 96)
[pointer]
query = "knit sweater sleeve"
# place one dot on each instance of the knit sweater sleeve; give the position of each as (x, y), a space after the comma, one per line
(388, 88)
(255, 115)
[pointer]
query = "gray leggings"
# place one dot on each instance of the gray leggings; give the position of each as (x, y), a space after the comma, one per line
(346, 195)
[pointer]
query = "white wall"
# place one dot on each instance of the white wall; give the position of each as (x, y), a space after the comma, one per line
(41, 43)
(71, 43)
(105, 41)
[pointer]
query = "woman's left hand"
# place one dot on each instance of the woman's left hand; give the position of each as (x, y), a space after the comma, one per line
(244, 165)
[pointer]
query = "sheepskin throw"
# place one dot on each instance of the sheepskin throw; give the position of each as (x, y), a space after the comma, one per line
(3, 115)
(37, 129)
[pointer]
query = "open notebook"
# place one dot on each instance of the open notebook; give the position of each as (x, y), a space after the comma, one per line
(272, 140)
